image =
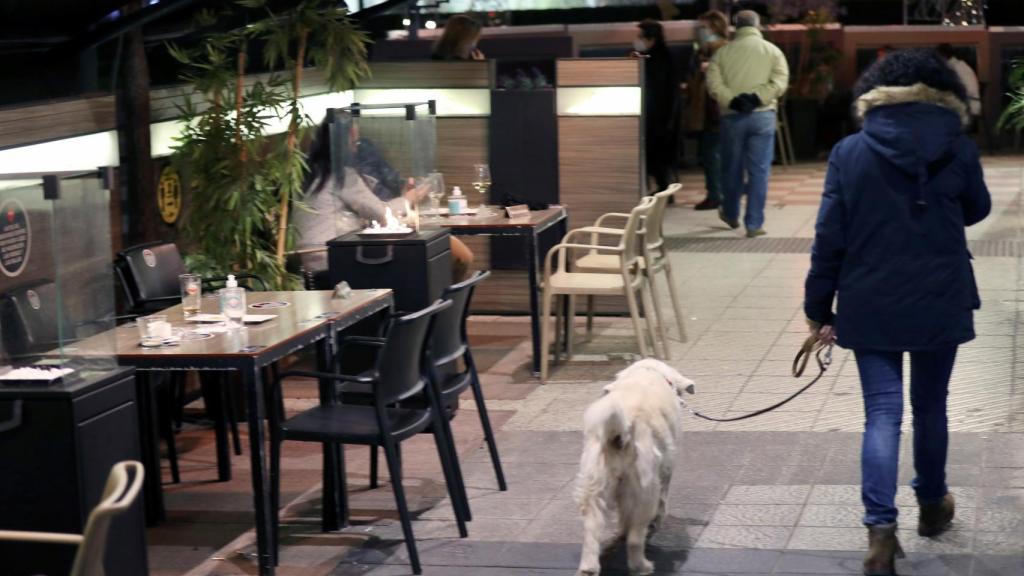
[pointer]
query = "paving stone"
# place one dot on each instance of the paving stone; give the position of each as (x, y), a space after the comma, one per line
(767, 495)
(758, 537)
(820, 538)
(713, 561)
(820, 562)
(756, 515)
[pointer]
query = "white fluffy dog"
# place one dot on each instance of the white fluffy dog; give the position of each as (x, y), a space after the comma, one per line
(629, 443)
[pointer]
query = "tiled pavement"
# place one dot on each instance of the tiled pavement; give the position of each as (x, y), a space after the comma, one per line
(774, 495)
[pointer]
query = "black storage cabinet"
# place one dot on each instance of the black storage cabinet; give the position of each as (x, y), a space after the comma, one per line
(57, 445)
(418, 267)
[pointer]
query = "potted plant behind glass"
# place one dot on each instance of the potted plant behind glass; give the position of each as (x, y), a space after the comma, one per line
(242, 180)
(812, 78)
(1012, 117)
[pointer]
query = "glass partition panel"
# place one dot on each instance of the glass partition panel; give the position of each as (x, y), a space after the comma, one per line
(56, 280)
(391, 147)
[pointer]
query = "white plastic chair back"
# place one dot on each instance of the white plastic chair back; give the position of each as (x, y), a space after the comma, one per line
(654, 241)
(122, 488)
(631, 249)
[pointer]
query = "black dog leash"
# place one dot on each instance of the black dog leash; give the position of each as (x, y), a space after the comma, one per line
(811, 346)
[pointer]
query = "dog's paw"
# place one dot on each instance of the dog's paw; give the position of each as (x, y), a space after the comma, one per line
(642, 568)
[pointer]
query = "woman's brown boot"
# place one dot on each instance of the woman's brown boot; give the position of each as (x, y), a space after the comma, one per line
(883, 549)
(935, 518)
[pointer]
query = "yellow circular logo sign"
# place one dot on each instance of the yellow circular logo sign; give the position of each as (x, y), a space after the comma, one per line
(169, 195)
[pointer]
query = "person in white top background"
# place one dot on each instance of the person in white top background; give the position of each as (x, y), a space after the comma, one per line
(967, 76)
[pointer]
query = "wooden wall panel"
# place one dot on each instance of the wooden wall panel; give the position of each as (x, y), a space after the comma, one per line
(462, 142)
(420, 74)
(54, 120)
(600, 170)
(855, 37)
(599, 160)
(598, 72)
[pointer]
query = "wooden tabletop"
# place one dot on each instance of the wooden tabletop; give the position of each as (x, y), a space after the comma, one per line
(537, 218)
(306, 311)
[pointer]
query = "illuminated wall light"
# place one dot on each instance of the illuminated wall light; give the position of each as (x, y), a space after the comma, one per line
(600, 101)
(86, 152)
(406, 22)
(430, 25)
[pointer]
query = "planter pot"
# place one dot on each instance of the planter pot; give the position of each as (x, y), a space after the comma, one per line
(802, 114)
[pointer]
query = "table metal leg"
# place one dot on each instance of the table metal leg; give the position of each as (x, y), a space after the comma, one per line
(252, 382)
(535, 326)
(150, 448)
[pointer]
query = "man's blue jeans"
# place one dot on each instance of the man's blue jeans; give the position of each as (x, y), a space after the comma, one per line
(748, 146)
(881, 377)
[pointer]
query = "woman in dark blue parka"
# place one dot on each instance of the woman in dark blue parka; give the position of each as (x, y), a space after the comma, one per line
(890, 248)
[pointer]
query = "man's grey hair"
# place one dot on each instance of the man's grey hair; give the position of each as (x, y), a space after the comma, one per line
(746, 18)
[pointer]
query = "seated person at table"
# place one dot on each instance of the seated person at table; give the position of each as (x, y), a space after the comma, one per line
(345, 203)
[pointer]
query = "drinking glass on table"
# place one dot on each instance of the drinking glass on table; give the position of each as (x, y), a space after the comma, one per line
(482, 183)
(191, 293)
(154, 329)
(435, 192)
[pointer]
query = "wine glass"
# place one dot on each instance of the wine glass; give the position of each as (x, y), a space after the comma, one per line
(482, 183)
(435, 191)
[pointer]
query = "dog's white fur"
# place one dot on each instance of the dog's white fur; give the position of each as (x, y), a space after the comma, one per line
(629, 444)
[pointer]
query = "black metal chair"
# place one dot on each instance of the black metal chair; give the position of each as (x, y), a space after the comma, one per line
(149, 277)
(448, 346)
(33, 319)
(405, 403)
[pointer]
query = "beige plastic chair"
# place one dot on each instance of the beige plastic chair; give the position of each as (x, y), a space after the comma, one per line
(655, 260)
(120, 491)
(626, 280)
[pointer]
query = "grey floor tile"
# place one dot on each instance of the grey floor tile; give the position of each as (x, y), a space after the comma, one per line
(1008, 543)
(756, 515)
(820, 562)
(730, 562)
(767, 494)
(989, 565)
(822, 538)
(754, 537)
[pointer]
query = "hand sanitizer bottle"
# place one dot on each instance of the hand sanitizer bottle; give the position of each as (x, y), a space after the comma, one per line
(456, 202)
(232, 302)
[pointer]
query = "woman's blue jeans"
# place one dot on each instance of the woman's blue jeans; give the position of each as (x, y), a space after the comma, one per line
(881, 376)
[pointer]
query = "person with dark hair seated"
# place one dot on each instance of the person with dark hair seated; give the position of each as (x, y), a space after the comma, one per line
(890, 248)
(338, 204)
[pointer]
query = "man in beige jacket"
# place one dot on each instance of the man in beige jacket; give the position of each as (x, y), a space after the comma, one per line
(747, 77)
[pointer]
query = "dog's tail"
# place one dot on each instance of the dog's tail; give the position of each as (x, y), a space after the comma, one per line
(605, 431)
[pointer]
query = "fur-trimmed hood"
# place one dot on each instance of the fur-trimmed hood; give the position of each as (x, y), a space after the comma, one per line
(918, 93)
(912, 127)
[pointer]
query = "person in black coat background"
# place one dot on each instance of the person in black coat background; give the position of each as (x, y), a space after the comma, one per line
(891, 249)
(661, 102)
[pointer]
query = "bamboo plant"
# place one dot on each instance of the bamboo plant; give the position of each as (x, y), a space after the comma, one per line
(1012, 118)
(243, 181)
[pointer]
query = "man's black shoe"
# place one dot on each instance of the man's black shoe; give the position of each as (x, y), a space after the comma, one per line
(707, 204)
